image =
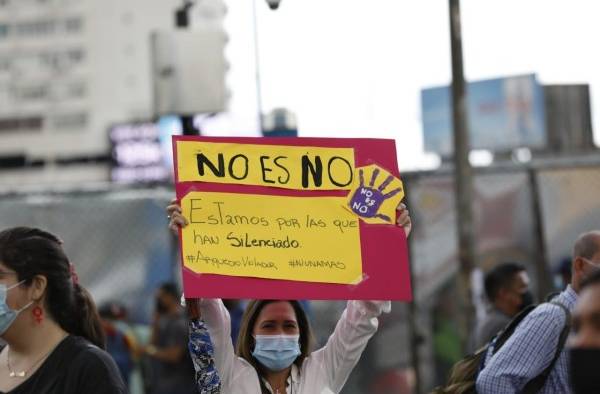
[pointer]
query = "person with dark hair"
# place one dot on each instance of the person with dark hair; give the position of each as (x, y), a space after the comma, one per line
(54, 339)
(533, 353)
(173, 370)
(584, 353)
(169, 290)
(507, 290)
(274, 348)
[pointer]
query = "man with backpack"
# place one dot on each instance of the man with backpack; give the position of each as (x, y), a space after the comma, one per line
(533, 359)
(507, 290)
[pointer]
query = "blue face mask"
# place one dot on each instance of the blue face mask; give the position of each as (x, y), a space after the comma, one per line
(276, 352)
(7, 315)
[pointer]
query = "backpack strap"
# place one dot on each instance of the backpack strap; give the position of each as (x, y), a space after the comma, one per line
(500, 339)
(537, 383)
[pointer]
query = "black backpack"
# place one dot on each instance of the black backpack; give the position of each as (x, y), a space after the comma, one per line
(464, 373)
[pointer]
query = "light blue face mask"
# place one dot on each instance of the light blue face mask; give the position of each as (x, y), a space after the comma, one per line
(276, 352)
(8, 315)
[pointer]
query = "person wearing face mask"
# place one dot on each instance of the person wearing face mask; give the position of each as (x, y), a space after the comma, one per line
(274, 348)
(173, 372)
(54, 338)
(533, 350)
(584, 344)
(507, 290)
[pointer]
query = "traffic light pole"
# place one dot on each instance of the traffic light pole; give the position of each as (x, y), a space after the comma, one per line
(463, 183)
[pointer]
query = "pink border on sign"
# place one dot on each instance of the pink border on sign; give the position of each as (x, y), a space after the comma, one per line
(386, 274)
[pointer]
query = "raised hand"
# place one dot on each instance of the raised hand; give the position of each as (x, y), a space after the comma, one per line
(175, 216)
(404, 219)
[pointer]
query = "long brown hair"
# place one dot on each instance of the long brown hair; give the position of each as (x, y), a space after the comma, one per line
(30, 252)
(245, 342)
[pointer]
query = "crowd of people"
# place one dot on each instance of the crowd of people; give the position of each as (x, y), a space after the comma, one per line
(536, 352)
(57, 341)
(548, 348)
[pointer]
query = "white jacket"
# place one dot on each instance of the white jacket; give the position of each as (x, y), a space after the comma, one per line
(325, 371)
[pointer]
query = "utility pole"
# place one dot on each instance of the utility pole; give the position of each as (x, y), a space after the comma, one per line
(463, 182)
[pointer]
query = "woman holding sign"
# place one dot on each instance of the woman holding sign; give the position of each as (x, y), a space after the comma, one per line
(274, 345)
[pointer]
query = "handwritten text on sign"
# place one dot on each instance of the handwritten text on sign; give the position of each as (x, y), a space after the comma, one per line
(313, 239)
(289, 167)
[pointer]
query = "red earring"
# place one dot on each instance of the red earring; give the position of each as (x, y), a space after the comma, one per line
(38, 314)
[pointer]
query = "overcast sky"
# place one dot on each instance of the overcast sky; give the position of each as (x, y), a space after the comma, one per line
(350, 68)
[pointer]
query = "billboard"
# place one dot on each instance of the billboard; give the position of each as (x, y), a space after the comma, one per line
(503, 114)
(141, 151)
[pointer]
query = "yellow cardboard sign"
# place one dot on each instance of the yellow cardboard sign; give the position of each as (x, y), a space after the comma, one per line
(289, 167)
(313, 239)
(375, 195)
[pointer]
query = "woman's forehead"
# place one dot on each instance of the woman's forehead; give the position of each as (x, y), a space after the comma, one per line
(279, 310)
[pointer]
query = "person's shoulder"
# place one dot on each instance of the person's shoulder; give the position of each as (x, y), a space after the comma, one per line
(90, 356)
(94, 368)
(567, 298)
(546, 310)
(546, 315)
(491, 325)
(244, 370)
(86, 348)
(494, 316)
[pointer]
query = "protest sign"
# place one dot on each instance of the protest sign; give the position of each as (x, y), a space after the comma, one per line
(290, 218)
